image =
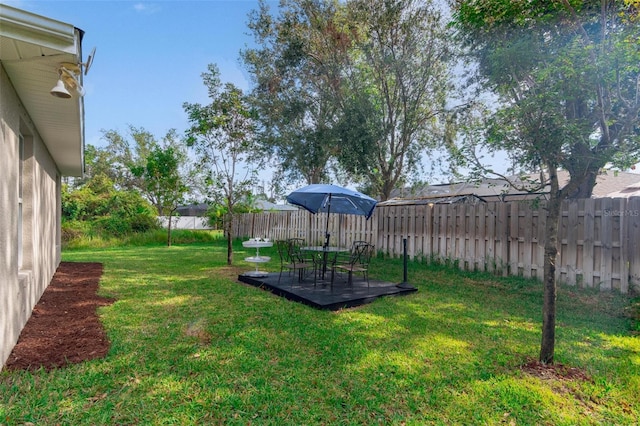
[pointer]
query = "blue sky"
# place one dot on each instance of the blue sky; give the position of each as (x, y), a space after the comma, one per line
(150, 55)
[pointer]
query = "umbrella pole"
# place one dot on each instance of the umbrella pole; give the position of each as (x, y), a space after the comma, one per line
(326, 231)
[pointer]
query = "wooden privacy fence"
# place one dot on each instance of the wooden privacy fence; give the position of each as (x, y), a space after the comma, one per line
(343, 229)
(599, 241)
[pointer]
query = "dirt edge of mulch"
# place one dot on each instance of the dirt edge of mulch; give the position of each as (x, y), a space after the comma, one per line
(556, 371)
(64, 327)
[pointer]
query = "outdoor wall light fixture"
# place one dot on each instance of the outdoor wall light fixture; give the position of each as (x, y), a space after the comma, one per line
(67, 82)
(59, 91)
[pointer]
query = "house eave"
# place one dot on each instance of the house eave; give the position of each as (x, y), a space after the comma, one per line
(32, 47)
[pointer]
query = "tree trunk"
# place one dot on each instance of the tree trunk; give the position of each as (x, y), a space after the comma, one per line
(228, 226)
(387, 186)
(588, 179)
(169, 230)
(550, 289)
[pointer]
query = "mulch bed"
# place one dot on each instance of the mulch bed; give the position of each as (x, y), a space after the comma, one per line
(64, 327)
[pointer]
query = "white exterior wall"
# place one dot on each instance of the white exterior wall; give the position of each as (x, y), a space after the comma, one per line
(184, 222)
(21, 288)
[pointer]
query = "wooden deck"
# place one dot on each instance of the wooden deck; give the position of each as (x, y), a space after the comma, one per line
(325, 296)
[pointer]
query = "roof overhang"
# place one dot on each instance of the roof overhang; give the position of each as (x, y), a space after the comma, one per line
(32, 48)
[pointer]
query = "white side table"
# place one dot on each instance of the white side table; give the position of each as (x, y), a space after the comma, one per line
(257, 259)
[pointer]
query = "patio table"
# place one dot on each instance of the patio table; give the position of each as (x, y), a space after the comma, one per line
(325, 253)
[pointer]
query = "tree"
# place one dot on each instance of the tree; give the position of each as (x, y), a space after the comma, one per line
(162, 181)
(394, 90)
(358, 85)
(98, 207)
(120, 155)
(124, 161)
(291, 69)
(222, 135)
(567, 76)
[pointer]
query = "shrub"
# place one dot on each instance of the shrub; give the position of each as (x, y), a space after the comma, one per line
(73, 230)
(99, 209)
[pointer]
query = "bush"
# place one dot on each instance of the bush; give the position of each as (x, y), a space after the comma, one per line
(144, 222)
(73, 230)
(98, 209)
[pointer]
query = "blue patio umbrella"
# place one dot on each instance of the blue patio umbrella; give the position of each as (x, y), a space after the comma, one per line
(326, 198)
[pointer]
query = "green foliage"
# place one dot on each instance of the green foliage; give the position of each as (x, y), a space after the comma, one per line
(120, 154)
(293, 68)
(352, 90)
(398, 78)
(155, 237)
(566, 74)
(162, 180)
(217, 213)
(74, 230)
(98, 209)
(125, 161)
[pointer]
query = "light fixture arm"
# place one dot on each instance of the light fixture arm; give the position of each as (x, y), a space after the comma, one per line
(67, 72)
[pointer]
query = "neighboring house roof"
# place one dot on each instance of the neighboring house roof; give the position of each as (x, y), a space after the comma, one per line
(608, 184)
(617, 184)
(193, 209)
(487, 190)
(32, 49)
(451, 199)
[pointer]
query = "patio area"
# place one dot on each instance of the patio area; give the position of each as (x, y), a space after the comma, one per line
(324, 296)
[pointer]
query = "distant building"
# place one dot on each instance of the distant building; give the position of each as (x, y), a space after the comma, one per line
(608, 184)
(200, 209)
(268, 206)
(197, 210)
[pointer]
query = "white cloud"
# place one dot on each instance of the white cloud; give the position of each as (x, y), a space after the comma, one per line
(146, 8)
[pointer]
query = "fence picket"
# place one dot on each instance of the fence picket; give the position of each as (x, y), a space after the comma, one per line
(624, 242)
(589, 242)
(491, 239)
(633, 248)
(480, 250)
(570, 250)
(539, 235)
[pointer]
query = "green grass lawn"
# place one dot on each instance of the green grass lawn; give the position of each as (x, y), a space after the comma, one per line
(191, 345)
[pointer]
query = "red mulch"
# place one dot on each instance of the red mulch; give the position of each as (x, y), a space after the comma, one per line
(64, 327)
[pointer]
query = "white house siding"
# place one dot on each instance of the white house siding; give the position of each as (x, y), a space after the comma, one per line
(21, 288)
(184, 222)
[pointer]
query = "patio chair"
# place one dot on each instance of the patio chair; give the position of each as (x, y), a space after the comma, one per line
(345, 258)
(299, 242)
(291, 259)
(358, 261)
(357, 243)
